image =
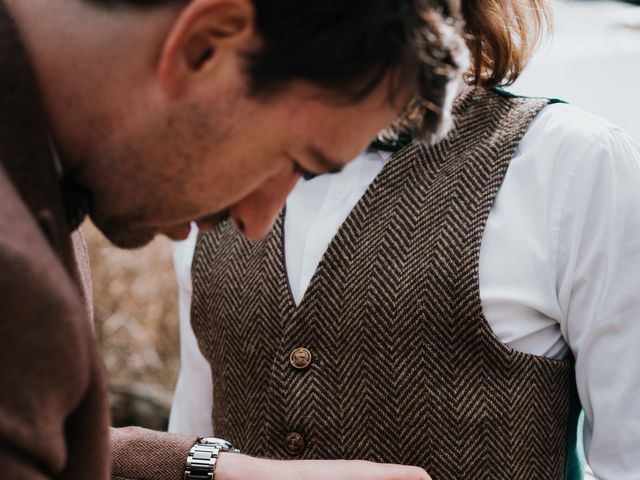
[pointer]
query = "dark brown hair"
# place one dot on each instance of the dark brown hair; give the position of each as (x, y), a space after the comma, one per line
(349, 46)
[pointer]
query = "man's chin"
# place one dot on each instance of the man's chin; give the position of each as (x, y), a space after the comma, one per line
(124, 234)
(127, 238)
(178, 232)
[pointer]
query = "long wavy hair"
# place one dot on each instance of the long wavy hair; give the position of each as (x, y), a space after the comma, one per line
(502, 35)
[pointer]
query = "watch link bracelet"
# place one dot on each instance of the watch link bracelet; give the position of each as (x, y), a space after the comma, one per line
(202, 459)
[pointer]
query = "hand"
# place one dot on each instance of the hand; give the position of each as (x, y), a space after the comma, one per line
(233, 466)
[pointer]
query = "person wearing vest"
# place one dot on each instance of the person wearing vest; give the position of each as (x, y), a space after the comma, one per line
(146, 115)
(450, 306)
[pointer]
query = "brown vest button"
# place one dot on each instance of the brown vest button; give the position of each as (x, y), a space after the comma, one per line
(300, 358)
(294, 443)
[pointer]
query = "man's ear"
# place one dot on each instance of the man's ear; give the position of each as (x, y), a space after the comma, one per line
(205, 35)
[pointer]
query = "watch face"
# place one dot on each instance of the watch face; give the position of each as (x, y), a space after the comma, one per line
(208, 441)
(218, 442)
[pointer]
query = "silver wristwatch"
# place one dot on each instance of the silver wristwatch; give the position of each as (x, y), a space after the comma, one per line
(202, 459)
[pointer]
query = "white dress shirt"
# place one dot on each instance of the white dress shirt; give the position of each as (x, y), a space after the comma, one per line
(559, 270)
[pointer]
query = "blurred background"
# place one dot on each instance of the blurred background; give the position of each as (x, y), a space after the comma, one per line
(592, 61)
(136, 317)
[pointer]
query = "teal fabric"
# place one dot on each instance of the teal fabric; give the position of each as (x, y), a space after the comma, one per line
(506, 93)
(394, 145)
(575, 462)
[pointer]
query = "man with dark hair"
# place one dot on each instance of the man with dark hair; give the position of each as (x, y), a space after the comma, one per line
(146, 116)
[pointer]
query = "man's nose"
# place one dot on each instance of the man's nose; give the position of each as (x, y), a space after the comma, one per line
(255, 214)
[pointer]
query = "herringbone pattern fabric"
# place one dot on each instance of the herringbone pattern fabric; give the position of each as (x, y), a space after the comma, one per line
(405, 367)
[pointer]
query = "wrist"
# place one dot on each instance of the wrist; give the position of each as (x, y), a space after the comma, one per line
(202, 461)
(235, 466)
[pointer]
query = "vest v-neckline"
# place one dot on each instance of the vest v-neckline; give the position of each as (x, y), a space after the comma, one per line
(402, 159)
(334, 243)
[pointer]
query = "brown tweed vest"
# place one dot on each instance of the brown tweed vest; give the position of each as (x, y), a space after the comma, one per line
(404, 368)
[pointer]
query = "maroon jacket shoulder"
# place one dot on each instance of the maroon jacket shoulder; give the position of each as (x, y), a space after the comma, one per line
(54, 411)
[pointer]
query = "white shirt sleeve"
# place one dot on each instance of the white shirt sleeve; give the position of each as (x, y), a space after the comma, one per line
(598, 286)
(193, 398)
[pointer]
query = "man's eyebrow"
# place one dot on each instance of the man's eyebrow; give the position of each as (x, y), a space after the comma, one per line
(329, 165)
